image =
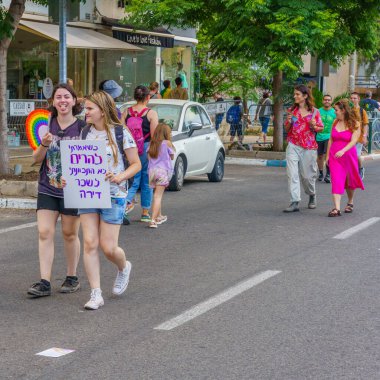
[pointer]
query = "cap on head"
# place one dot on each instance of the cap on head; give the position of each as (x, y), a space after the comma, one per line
(112, 88)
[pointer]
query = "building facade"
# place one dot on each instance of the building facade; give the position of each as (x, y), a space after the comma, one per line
(99, 47)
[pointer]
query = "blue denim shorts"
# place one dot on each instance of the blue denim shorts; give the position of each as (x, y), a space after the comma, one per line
(112, 215)
(264, 121)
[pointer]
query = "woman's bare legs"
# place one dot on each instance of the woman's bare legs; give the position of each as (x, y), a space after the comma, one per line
(70, 229)
(336, 200)
(109, 240)
(90, 229)
(46, 222)
(350, 196)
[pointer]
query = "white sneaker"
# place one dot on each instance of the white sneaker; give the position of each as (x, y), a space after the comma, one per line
(161, 219)
(122, 279)
(96, 300)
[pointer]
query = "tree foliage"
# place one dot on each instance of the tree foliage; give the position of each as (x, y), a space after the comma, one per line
(231, 77)
(272, 33)
(275, 33)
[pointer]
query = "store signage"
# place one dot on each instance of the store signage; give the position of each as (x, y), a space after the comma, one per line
(20, 108)
(47, 88)
(144, 39)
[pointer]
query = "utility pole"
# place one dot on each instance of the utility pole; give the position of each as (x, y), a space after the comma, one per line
(62, 41)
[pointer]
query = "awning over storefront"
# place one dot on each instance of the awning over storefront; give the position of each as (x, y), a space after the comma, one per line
(77, 37)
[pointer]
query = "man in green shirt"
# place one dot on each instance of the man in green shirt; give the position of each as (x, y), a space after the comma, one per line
(328, 117)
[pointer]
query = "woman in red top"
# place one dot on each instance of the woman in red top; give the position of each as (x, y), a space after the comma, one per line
(302, 122)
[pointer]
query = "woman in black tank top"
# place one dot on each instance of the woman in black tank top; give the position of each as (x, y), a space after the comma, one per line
(141, 179)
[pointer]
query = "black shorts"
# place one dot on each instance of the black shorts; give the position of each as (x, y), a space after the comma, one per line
(48, 202)
(322, 147)
(236, 129)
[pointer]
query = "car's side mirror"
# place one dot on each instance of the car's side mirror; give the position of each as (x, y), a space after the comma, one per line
(194, 127)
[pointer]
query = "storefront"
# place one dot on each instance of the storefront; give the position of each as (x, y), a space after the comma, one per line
(167, 55)
(97, 52)
(33, 57)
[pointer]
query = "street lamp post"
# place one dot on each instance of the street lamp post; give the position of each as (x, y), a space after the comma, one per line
(62, 41)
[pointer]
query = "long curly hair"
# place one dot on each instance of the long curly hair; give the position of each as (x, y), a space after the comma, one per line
(107, 105)
(309, 100)
(161, 133)
(349, 116)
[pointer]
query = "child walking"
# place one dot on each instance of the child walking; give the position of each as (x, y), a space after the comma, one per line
(160, 154)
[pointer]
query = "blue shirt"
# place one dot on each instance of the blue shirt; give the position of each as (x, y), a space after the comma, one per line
(370, 104)
(234, 114)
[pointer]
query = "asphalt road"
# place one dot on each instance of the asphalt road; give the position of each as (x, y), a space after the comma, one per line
(318, 318)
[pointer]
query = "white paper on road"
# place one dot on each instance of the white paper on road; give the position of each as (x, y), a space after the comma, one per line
(215, 301)
(84, 167)
(55, 352)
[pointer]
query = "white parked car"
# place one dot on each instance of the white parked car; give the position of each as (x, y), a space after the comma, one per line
(199, 149)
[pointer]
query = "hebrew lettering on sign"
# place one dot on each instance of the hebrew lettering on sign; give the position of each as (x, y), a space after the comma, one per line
(84, 166)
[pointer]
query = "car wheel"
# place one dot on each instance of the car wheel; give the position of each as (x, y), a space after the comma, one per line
(217, 173)
(176, 183)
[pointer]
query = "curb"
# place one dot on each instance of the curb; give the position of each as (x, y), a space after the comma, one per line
(371, 157)
(18, 203)
(255, 162)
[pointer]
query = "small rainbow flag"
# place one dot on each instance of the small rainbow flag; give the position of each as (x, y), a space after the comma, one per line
(36, 126)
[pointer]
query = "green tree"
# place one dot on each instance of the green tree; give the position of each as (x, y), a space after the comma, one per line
(230, 76)
(274, 33)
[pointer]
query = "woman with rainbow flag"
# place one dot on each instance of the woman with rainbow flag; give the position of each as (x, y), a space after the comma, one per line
(62, 125)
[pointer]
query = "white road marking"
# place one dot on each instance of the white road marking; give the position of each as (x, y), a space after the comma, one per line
(19, 227)
(217, 300)
(353, 230)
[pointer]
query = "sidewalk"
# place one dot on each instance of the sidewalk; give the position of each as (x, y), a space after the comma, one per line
(22, 155)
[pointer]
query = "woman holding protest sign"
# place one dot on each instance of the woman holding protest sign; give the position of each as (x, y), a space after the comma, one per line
(63, 125)
(101, 226)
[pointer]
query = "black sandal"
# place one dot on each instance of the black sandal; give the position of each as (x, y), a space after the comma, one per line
(334, 212)
(349, 208)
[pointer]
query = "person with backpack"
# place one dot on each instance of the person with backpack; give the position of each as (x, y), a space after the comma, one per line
(101, 226)
(141, 122)
(233, 117)
(302, 123)
(63, 125)
(161, 153)
(369, 104)
(362, 116)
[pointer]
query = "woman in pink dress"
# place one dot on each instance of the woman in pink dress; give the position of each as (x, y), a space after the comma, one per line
(342, 157)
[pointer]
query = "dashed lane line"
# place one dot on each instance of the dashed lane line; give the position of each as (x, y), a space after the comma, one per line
(359, 227)
(215, 301)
